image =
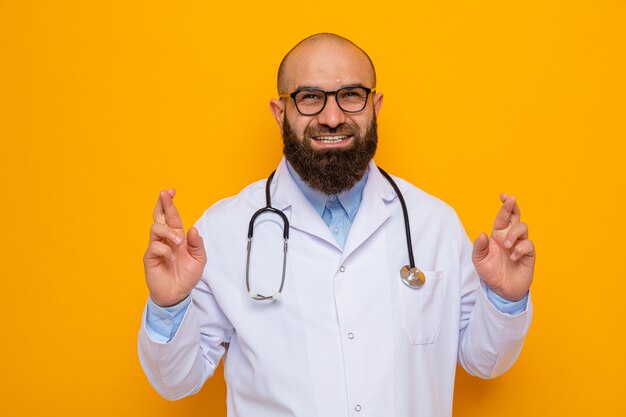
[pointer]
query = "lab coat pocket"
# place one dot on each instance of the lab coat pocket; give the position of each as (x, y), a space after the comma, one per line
(422, 308)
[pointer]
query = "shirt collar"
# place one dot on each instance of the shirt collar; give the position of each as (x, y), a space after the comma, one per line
(349, 199)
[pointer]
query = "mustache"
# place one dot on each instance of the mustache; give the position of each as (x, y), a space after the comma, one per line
(342, 129)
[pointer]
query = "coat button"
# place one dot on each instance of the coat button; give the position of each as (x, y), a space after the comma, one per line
(357, 408)
(342, 268)
(350, 335)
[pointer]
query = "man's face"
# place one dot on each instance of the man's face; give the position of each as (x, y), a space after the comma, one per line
(329, 150)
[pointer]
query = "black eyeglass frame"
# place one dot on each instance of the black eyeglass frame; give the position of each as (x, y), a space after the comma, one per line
(326, 93)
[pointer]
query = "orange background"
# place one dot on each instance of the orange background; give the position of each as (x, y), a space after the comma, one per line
(102, 104)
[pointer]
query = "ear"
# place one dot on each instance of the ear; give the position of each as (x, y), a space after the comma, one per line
(378, 102)
(277, 107)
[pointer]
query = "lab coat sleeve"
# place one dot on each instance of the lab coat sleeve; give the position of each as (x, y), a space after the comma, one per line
(180, 367)
(489, 340)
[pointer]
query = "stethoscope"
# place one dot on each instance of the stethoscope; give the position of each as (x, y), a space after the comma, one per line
(410, 274)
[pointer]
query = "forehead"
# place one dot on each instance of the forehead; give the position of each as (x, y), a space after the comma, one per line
(328, 65)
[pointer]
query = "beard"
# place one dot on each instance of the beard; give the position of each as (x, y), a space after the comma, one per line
(330, 171)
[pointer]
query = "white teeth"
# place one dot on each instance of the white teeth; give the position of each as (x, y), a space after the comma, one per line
(331, 139)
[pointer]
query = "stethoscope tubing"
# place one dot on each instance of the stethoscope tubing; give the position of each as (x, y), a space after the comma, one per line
(405, 214)
(267, 209)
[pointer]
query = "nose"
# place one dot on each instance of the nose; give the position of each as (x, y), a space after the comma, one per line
(331, 116)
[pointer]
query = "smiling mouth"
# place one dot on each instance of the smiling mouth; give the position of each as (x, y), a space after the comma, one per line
(332, 139)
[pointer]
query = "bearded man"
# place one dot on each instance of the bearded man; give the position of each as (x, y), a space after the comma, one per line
(321, 315)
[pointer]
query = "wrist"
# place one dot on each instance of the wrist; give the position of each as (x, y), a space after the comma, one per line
(165, 303)
(508, 296)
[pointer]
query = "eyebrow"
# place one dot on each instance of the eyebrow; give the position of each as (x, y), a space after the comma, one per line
(312, 87)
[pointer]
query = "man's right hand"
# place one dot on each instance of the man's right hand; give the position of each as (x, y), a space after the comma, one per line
(173, 264)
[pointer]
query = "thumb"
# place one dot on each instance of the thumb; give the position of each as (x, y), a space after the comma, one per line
(196, 245)
(481, 248)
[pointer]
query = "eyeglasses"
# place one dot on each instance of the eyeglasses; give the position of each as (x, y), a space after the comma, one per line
(311, 101)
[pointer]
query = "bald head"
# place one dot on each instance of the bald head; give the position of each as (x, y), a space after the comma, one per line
(318, 49)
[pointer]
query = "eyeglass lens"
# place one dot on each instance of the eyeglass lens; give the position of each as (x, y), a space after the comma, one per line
(349, 99)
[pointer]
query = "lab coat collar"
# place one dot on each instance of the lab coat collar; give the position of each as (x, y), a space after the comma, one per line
(371, 215)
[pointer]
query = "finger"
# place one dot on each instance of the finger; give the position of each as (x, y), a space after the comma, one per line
(196, 245)
(503, 219)
(159, 214)
(516, 214)
(523, 248)
(172, 218)
(160, 231)
(516, 232)
(481, 248)
(159, 250)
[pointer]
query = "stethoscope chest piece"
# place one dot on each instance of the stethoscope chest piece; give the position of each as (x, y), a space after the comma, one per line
(412, 277)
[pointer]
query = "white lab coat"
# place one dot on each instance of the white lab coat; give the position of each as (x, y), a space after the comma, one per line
(348, 337)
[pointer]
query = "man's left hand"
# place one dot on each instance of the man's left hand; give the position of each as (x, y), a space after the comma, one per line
(506, 261)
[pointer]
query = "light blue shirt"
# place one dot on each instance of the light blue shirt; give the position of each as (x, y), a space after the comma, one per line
(338, 212)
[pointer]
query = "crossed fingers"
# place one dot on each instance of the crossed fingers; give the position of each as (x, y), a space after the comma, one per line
(166, 212)
(516, 237)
